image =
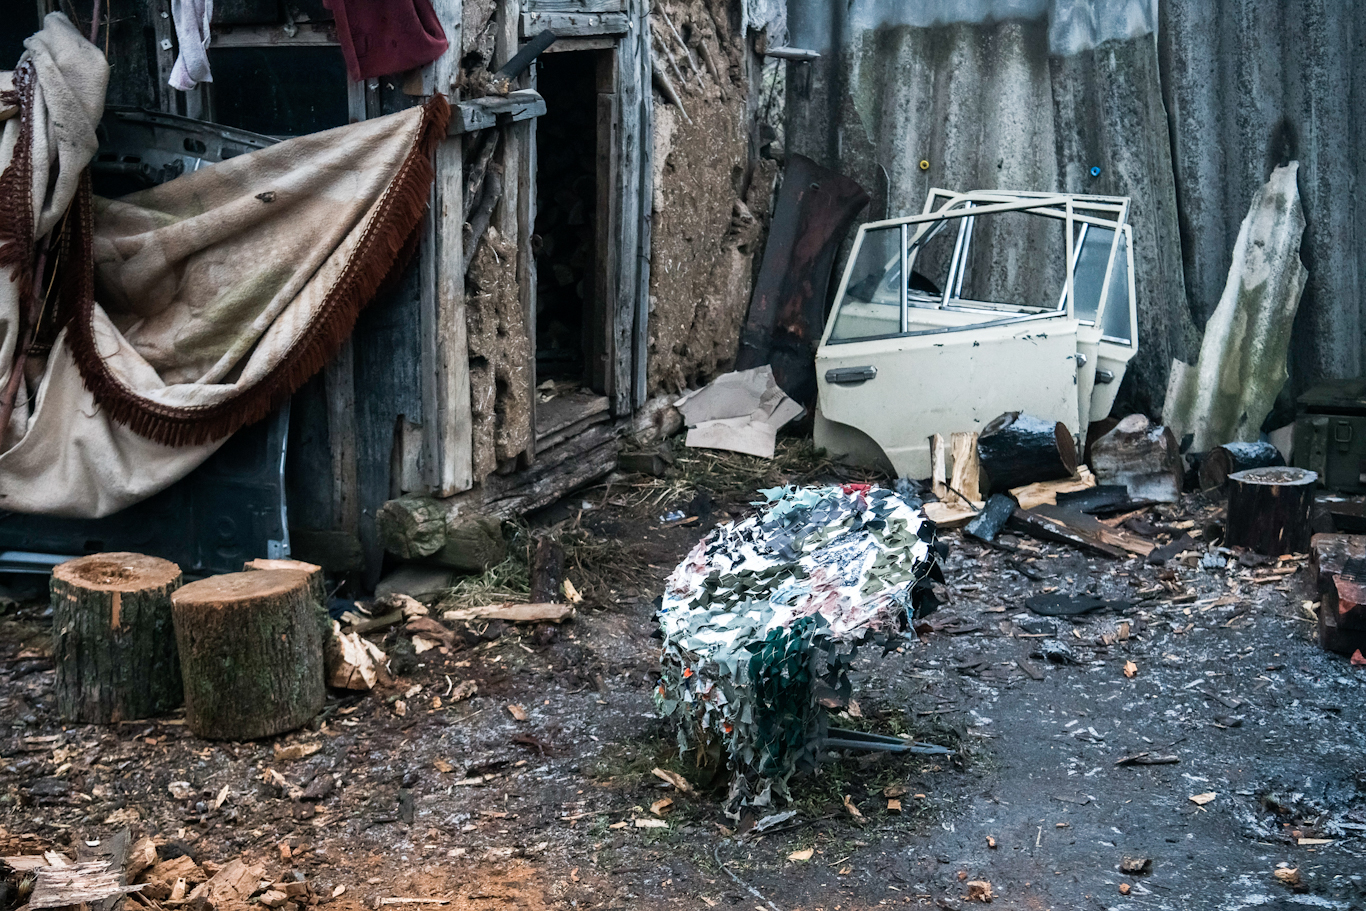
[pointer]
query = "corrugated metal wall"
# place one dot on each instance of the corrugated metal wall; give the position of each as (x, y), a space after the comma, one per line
(1185, 108)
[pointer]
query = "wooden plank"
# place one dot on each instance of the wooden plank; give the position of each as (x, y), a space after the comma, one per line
(641, 328)
(449, 415)
(601, 348)
(306, 34)
(590, 43)
(548, 441)
(1047, 528)
(544, 612)
(564, 410)
(626, 225)
(575, 6)
(573, 25)
(1081, 523)
(163, 34)
(339, 383)
(494, 110)
(526, 271)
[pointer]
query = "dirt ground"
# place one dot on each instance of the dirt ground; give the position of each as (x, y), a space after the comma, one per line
(1212, 666)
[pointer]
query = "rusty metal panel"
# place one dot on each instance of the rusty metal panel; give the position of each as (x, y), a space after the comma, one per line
(816, 207)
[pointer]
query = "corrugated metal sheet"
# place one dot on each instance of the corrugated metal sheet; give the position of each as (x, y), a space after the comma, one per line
(1185, 108)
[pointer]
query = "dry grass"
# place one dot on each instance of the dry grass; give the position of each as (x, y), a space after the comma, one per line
(795, 461)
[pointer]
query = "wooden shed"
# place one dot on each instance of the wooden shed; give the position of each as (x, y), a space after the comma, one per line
(517, 351)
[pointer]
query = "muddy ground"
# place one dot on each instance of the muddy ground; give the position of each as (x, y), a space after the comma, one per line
(463, 802)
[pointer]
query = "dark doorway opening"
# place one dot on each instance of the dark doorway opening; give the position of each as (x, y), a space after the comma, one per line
(567, 292)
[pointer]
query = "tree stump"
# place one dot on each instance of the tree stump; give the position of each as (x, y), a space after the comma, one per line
(1016, 449)
(1268, 510)
(115, 649)
(317, 585)
(250, 654)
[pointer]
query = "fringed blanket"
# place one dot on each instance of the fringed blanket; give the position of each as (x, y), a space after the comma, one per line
(189, 310)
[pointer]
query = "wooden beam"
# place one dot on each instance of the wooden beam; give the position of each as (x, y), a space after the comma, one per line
(574, 25)
(575, 6)
(626, 217)
(494, 110)
(306, 34)
(449, 415)
(641, 328)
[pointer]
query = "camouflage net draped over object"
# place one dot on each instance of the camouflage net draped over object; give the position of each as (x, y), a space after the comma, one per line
(762, 620)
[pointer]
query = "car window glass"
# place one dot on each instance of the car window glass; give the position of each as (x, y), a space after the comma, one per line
(1115, 322)
(1016, 259)
(1088, 277)
(871, 305)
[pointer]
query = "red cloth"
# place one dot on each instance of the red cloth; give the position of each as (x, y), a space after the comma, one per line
(380, 37)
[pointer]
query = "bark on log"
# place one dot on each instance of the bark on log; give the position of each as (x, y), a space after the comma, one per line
(1222, 461)
(114, 645)
(547, 571)
(1268, 510)
(250, 653)
(1016, 449)
(1142, 456)
(473, 543)
(411, 527)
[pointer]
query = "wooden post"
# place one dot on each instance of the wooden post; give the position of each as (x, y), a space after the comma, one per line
(1268, 509)
(113, 643)
(547, 571)
(250, 654)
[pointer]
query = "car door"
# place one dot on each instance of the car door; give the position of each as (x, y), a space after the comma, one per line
(945, 350)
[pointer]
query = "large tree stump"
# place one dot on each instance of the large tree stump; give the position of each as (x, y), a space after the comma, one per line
(114, 643)
(422, 528)
(1016, 449)
(250, 654)
(1268, 510)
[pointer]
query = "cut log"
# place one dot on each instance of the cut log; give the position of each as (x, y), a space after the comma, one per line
(411, 527)
(113, 641)
(949, 515)
(1222, 461)
(1142, 456)
(547, 570)
(317, 585)
(415, 527)
(513, 613)
(1337, 569)
(965, 482)
(992, 518)
(250, 654)
(1016, 449)
(473, 544)
(1268, 510)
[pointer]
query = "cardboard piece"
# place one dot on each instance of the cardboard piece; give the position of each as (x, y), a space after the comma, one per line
(739, 411)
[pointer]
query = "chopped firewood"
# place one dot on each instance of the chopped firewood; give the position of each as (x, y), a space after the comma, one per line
(59, 887)
(1046, 492)
(514, 613)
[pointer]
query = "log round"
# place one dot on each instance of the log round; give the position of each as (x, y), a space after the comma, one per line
(1268, 510)
(411, 527)
(113, 642)
(1222, 461)
(1017, 449)
(250, 654)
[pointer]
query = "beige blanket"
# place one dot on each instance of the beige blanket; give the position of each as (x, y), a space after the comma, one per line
(218, 293)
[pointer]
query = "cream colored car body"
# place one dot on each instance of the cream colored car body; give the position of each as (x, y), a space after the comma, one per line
(1009, 327)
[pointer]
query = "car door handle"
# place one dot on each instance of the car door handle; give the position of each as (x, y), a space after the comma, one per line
(848, 376)
(1104, 376)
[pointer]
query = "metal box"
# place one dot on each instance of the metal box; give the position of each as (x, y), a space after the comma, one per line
(1330, 434)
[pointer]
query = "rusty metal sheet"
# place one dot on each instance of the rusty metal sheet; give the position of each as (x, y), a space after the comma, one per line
(816, 207)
